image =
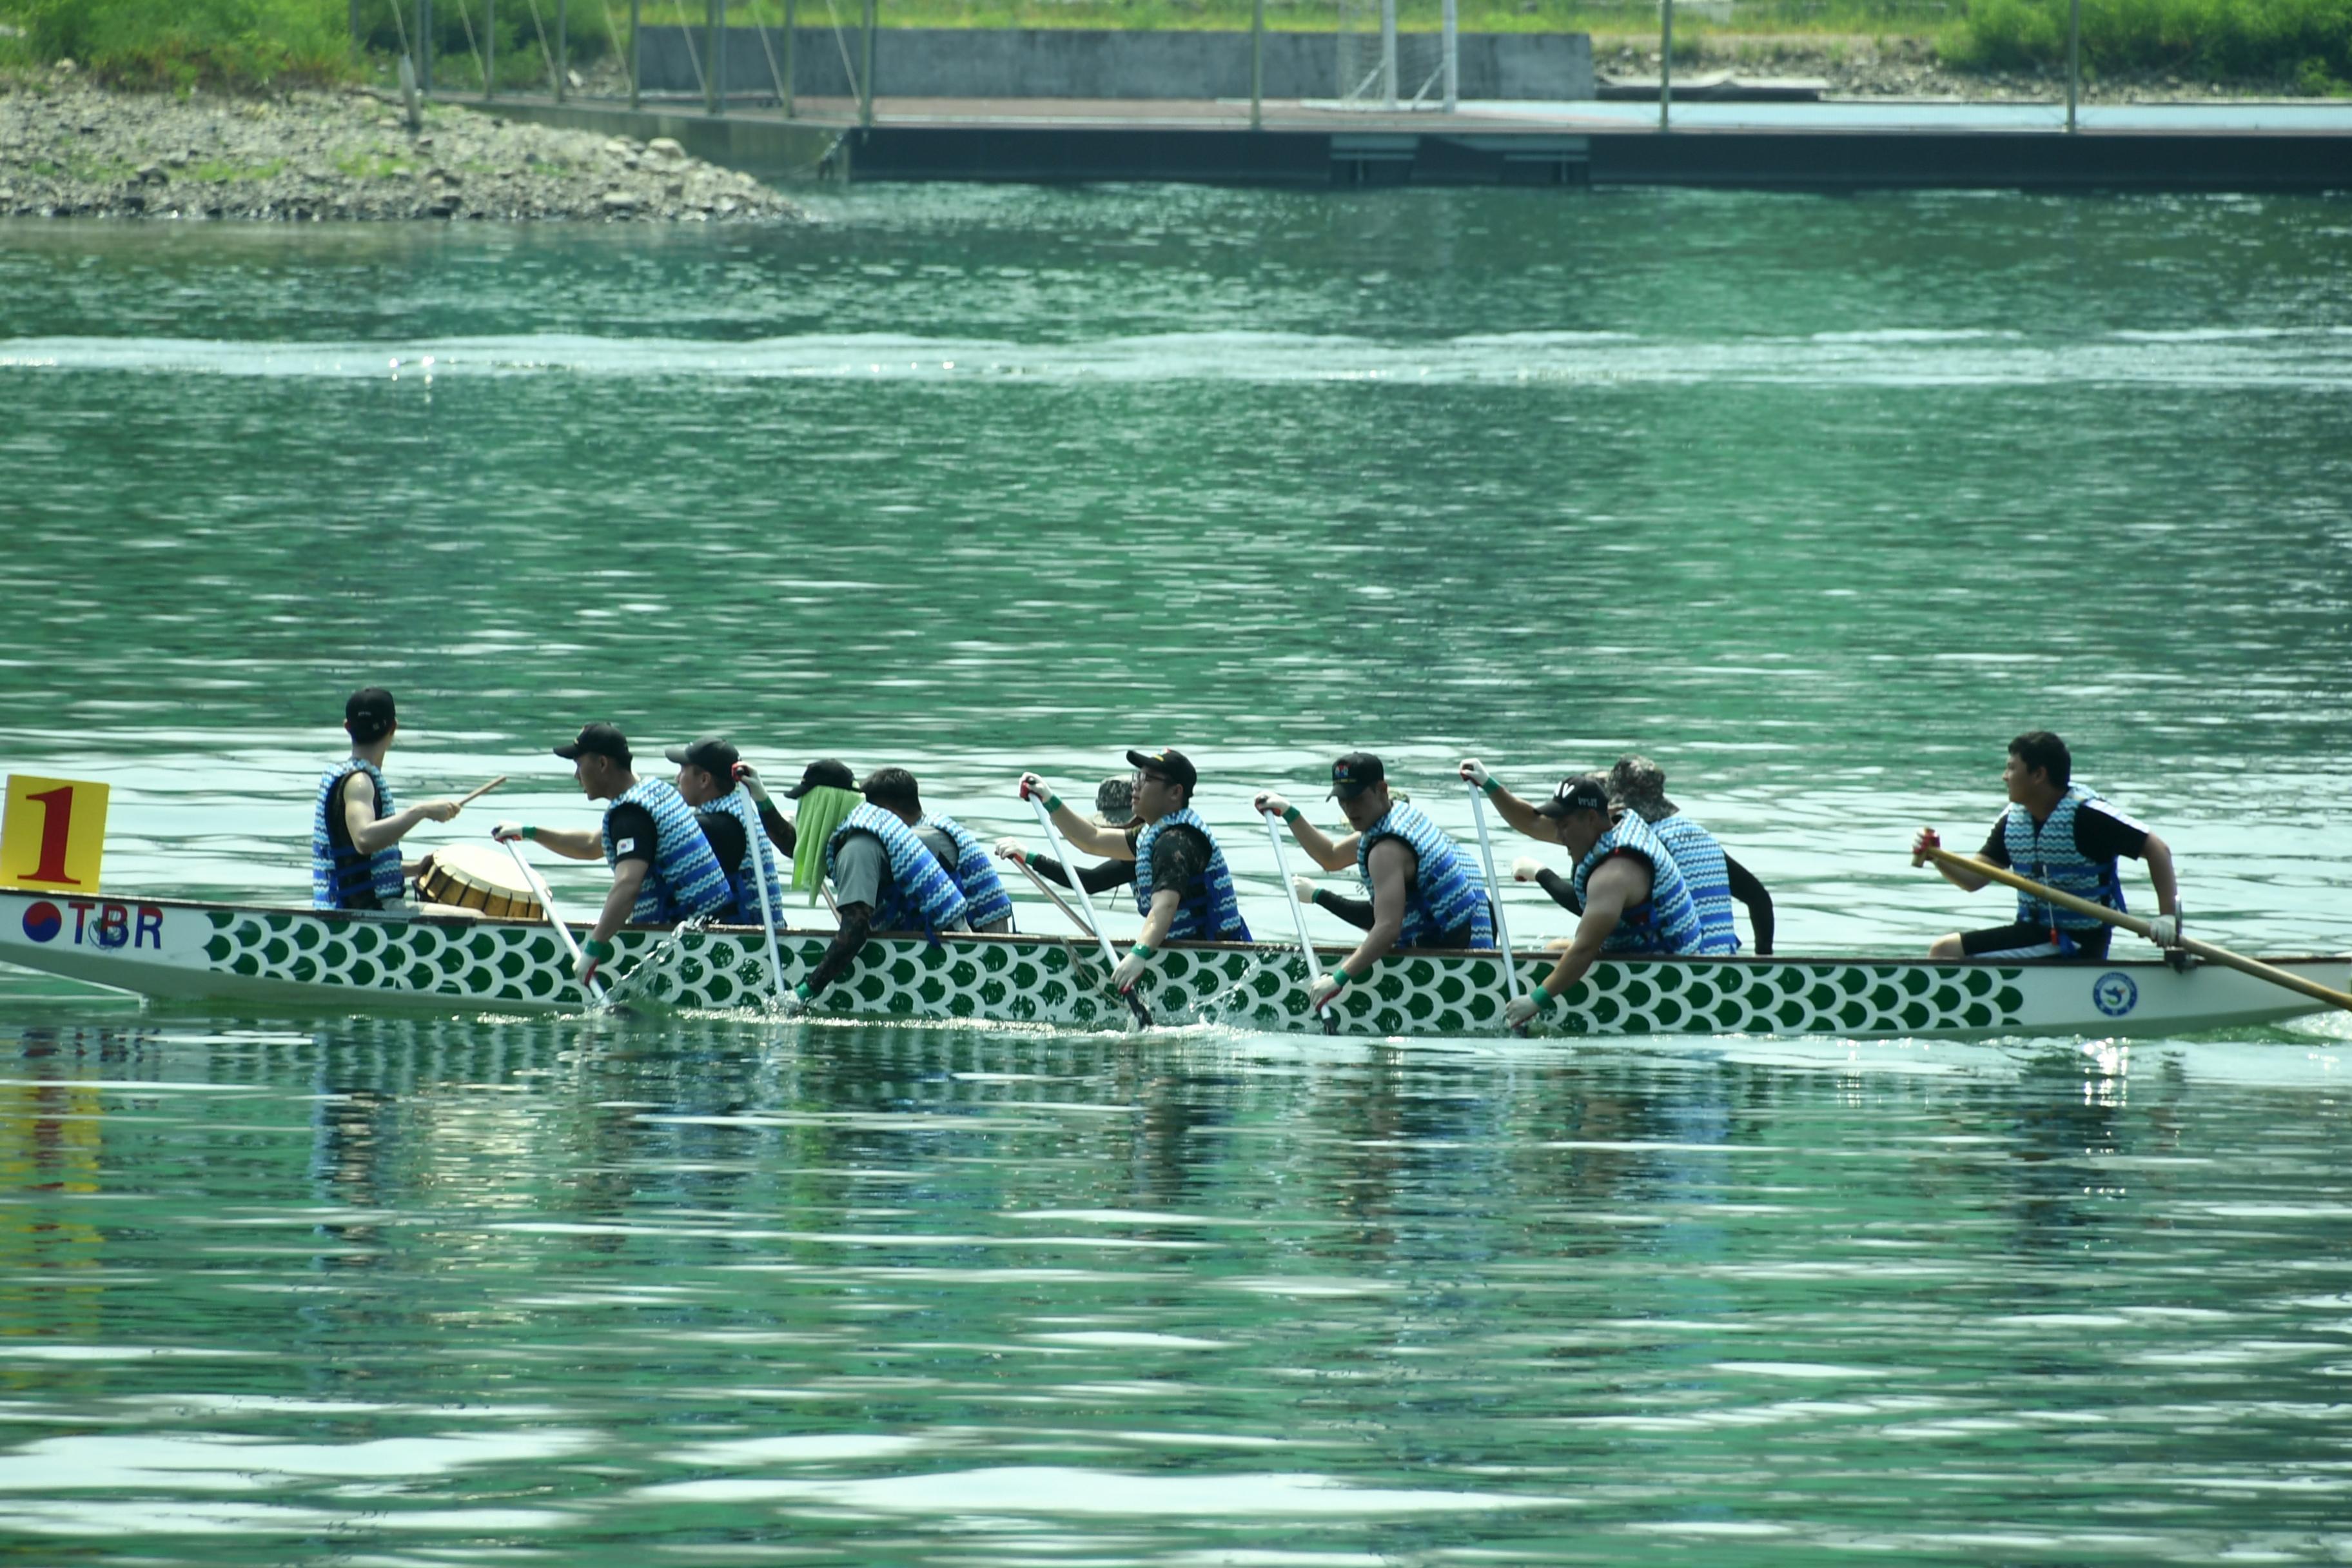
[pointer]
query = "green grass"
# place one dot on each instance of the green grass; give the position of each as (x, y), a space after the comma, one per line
(2293, 45)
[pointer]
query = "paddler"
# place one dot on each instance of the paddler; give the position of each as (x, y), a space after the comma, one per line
(663, 869)
(355, 828)
(890, 871)
(1424, 892)
(2064, 836)
(1636, 784)
(1634, 898)
(726, 793)
(1183, 889)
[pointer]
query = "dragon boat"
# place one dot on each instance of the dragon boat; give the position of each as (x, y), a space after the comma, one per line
(247, 956)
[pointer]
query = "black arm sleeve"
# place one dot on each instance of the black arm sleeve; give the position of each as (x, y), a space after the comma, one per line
(1750, 890)
(780, 830)
(1562, 890)
(1095, 879)
(1357, 912)
(856, 920)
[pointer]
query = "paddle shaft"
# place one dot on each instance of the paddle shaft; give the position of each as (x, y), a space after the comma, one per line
(1297, 917)
(764, 867)
(1046, 887)
(1494, 889)
(1077, 885)
(555, 918)
(478, 794)
(1077, 949)
(2139, 927)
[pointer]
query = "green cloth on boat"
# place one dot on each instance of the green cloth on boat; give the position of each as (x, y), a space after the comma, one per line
(822, 810)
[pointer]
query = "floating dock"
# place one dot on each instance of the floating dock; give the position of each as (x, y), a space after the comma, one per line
(1831, 146)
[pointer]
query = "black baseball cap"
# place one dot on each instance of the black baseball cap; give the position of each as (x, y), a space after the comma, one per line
(1169, 764)
(1354, 774)
(714, 754)
(604, 740)
(1578, 792)
(831, 773)
(368, 712)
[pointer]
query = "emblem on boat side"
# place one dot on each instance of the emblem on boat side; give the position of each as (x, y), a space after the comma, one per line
(43, 921)
(2115, 994)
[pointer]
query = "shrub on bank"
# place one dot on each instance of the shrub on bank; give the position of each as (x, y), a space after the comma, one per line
(2305, 45)
(184, 43)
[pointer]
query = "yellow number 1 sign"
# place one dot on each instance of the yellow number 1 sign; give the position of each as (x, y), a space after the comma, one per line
(53, 834)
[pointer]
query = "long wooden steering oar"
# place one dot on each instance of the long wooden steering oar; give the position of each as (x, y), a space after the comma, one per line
(1298, 919)
(1077, 885)
(2139, 927)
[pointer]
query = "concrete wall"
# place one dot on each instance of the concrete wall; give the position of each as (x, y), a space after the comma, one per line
(1036, 62)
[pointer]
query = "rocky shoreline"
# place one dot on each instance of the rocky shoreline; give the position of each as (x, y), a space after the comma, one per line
(1897, 68)
(71, 150)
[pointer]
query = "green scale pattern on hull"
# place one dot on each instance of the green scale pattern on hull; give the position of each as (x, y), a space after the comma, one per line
(1049, 982)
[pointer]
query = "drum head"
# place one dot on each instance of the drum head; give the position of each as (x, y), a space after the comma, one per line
(480, 879)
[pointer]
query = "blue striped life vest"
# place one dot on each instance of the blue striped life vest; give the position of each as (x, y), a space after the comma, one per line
(340, 879)
(1207, 910)
(985, 902)
(921, 896)
(759, 863)
(685, 879)
(2048, 855)
(1700, 860)
(1668, 922)
(1446, 892)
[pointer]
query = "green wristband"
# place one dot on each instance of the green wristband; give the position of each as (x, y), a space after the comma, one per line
(1492, 787)
(597, 948)
(1139, 951)
(1053, 802)
(1291, 814)
(802, 991)
(1339, 972)
(528, 831)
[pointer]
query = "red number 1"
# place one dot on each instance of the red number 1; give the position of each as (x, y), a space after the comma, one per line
(56, 827)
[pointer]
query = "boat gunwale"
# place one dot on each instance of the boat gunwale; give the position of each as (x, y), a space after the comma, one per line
(477, 923)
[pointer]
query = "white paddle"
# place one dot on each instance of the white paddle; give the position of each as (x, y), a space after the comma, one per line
(1297, 920)
(562, 932)
(763, 869)
(1495, 893)
(1078, 886)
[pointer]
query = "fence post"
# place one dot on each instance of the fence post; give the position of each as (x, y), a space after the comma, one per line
(866, 87)
(2073, 59)
(1258, 63)
(792, 21)
(636, 57)
(490, 49)
(710, 57)
(719, 61)
(563, 52)
(423, 47)
(1666, 62)
(1450, 24)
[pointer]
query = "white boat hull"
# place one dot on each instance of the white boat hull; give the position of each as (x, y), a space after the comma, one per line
(302, 959)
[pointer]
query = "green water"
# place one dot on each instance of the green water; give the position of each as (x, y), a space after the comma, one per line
(1818, 502)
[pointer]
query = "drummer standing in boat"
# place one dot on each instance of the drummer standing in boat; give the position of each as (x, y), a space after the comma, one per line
(356, 827)
(2064, 836)
(663, 869)
(727, 795)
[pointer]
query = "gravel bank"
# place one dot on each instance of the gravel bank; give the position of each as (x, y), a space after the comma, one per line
(1900, 68)
(68, 150)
